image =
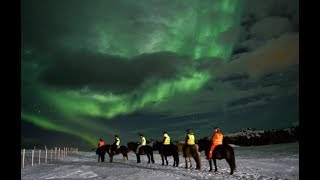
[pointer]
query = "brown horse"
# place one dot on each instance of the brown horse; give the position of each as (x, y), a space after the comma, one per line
(224, 151)
(143, 150)
(167, 150)
(191, 151)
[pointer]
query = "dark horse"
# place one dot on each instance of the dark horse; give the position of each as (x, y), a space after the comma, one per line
(143, 150)
(224, 151)
(167, 150)
(101, 151)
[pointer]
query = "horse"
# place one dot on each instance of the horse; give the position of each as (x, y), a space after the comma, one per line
(191, 151)
(122, 149)
(167, 150)
(107, 149)
(143, 150)
(101, 151)
(223, 151)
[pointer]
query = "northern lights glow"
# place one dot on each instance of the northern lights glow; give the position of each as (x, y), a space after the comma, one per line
(65, 47)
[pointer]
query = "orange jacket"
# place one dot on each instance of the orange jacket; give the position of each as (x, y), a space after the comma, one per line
(217, 138)
(101, 143)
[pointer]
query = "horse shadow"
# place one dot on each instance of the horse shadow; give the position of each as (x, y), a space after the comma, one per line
(167, 150)
(223, 151)
(143, 150)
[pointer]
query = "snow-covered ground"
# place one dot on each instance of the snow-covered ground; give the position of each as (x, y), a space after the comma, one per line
(280, 161)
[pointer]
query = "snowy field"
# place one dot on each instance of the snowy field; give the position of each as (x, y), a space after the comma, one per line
(280, 161)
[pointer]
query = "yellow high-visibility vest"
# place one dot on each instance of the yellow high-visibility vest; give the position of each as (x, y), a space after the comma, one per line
(167, 140)
(191, 139)
(118, 141)
(143, 141)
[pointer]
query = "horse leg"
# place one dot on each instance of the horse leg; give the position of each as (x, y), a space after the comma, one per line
(151, 154)
(177, 159)
(162, 158)
(148, 158)
(125, 157)
(190, 161)
(210, 164)
(111, 158)
(230, 164)
(186, 162)
(165, 157)
(102, 158)
(138, 158)
(215, 164)
(196, 158)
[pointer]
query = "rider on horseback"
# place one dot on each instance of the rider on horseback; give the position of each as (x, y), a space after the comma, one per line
(116, 143)
(216, 139)
(190, 141)
(100, 143)
(165, 141)
(143, 142)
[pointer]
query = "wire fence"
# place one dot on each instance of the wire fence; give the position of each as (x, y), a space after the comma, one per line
(32, 157)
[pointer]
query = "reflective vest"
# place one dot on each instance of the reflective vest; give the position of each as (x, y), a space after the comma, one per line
(118, 141)
(190, 139)
(143, 141)
(217, 138)
(101, 143)
(167, 140)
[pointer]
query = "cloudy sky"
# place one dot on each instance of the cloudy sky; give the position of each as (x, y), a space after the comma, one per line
(96, 69)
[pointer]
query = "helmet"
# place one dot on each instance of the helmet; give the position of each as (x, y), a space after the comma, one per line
(216, 128)
(164, 132)
(189, 131)
(100, 139)
(116, 136)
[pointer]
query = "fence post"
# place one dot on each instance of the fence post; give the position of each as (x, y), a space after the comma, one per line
(32, 154)
(51, 154)
(23, 154)
(46, 156)
(39, 155)
(59, 154)
(55, 153)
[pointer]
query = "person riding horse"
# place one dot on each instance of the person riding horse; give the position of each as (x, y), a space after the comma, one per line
(99, 150)
(116, 143)
(216, 140)
(189, 141)
(166, 142)
(143, 142)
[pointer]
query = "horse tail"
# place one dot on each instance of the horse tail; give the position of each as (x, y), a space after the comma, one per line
(233, 160)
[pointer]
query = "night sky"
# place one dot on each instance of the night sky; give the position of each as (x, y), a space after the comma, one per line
(92, 69)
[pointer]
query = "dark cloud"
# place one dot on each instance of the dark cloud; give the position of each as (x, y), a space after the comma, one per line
(104, 72)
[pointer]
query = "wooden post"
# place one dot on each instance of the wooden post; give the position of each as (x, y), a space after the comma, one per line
(32, 157)
(39, 155)
(51, 154)
(46, 156)
(55, 153)
(23, 154)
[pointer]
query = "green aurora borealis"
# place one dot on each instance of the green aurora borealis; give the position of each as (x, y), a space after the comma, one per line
(127, 34)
